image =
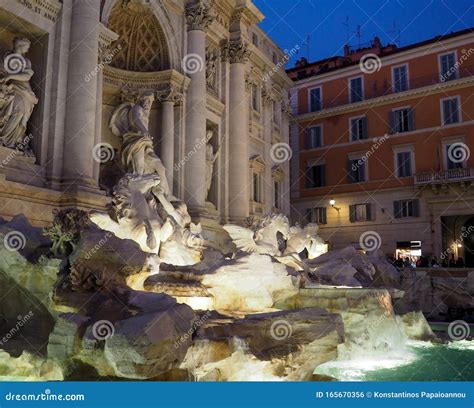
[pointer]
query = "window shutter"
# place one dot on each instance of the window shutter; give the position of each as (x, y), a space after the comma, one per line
(391, 119)
(309, 177)
(352, 213)
(323, 175)
(411, 119)
(365, 127)
(307, 138)
(308, 215)
(370, 210)
(323, 216)
(396, 209)
(416, 208)
(350, 177)
(354, 129)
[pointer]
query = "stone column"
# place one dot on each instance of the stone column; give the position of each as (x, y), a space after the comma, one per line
(237, 54)
(168, 97)
(80, 125)
(194, 65)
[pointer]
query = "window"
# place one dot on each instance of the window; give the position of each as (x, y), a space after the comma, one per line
(315, 100)
(450, 110)
(316, 215)
(400, 78)
(447, 67)
(274, 57)
(402, 120)
(357, 170)
(255, 98)
(452, 159)
(359, 129)
(276, 113)
(360, 212)
(276, 194)
(406, 208)
(316, 176)
(403, 164)
(356, 90)
(313, 137)
(257, 192)
(255, 39)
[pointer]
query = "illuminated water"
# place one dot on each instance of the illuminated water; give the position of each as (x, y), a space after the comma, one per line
(420, 362)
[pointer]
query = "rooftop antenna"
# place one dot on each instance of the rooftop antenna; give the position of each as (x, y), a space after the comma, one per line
(306, 42)
(396, 31)
(346, 24)
(358, 33)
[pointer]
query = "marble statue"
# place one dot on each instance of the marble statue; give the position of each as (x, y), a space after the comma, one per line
(274, 236)
(211, 69)
(17, 99)
(262, 237)
(129, 121)
(305, 238)
(211, 158)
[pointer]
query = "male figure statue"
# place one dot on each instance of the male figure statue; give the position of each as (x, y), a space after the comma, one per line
(130, 122)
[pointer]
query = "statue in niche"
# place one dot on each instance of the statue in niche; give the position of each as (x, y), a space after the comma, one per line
(211, 158)
(211, 69)
(143, 208)
(17, 99)
(130, 122)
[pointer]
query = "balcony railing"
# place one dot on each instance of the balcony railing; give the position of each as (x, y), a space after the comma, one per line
(444, 176)
(376, 89)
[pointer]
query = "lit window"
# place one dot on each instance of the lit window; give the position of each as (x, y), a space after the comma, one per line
(360, 212)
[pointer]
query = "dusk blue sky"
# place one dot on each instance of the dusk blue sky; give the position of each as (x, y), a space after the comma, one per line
(288, 22)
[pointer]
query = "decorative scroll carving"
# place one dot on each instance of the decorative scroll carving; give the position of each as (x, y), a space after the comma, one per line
(169, 94)
(198, 17)
(236, 52)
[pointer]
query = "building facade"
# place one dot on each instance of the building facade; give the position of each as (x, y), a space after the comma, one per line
(219, 107)
(384, 137)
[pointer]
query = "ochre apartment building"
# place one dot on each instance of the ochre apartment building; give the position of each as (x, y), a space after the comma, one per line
(383, 142)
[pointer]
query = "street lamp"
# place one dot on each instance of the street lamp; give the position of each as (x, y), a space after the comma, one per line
(333, 204)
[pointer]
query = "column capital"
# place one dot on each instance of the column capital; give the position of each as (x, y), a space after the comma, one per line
(235, 52)
(169, 93)
(198, 17)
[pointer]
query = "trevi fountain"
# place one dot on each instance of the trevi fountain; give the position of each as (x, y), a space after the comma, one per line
(137, 292)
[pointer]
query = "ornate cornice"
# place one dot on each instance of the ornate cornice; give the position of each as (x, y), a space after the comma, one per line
(170, 93)
(198, 17)
(236, 52)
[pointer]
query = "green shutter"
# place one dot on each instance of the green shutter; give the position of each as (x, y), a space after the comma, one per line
(416, 208)
(365, 128)
(352, 213)
(411, 119)
(396, 209)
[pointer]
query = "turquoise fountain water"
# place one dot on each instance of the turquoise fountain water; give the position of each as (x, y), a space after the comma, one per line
(421, 361)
